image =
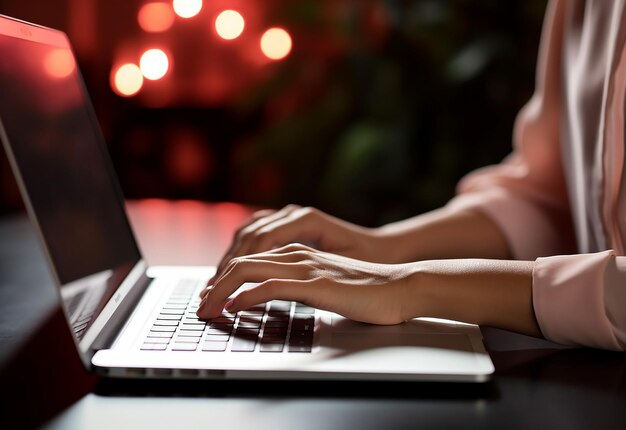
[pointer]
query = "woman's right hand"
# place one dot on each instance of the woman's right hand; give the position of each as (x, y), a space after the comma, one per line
(270, 229)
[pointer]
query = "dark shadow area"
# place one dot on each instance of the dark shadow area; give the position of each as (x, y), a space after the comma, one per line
(323, 389)
(584, 368)
(44, 376)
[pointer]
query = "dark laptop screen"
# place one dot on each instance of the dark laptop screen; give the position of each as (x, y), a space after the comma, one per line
(49, 124)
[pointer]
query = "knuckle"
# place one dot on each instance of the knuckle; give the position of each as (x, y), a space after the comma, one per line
(244, 228)
(302, 253)
(262, 234)
(292, 247)
(245, 232)
(234, 263)
(257, 241)
(261, 213)
(270, 286)
(308, 211)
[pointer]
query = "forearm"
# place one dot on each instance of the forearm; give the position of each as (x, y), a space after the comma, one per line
(495, 293)
(443, 233)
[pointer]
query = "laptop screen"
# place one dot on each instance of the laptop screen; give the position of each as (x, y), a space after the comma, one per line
(49, 125)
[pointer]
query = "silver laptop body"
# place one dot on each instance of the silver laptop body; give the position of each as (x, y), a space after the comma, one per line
(118, 308)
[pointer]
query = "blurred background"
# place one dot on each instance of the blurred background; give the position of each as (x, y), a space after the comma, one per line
(368, 109)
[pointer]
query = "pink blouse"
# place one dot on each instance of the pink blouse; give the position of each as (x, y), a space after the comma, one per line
(560, 196)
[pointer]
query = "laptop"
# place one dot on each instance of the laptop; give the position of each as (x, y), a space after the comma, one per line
(129, 320)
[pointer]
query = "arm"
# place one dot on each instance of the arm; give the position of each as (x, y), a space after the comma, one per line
(443, 233)
(479, 291)
(494, 293)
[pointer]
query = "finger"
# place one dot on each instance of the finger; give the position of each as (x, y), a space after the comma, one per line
(256, 216)
(262, 213)
(247, 236)
(350, 300)
(290, 253)
(239, 272)
(239, 245)
(303, 225)
(261, 219)
(272, 289)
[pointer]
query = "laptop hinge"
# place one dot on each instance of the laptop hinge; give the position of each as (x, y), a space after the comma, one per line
(120, 307)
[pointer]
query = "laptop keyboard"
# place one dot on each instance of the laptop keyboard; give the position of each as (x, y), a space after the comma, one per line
(276, 326)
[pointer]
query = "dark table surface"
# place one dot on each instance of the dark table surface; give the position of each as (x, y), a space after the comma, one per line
(537, 384)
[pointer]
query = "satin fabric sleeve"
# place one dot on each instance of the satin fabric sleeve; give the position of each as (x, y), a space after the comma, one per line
(525, 195)
(578, 299)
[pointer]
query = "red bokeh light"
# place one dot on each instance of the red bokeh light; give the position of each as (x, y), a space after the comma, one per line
(126, 79)
(155, 17)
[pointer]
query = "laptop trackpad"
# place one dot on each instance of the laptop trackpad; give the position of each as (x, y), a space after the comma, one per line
(355, 342)
(344, 325)
(433, 335)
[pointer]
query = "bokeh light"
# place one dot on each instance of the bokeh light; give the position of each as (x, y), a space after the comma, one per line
(154, 64)
(59, 63)
(229, 24)
(127, 79)
(187, 8)
(155, 17)
(276, 43)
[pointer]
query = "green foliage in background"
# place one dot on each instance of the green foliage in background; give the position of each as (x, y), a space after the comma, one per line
(386, 104)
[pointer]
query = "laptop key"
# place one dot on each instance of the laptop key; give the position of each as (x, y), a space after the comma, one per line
(221, 326)
(271, 347)
(304, 309)
(174, 307)
(163, 340)
(214, 346)
(163, 328)
(217, 337)
(300, 348)
(222, 319)
(184, 347)
(187, 339)
(164, 334)
(172, 317)
(243, 344)
(249, 325)
(303, 322)
(192, 327)
(166, 323)
(153, 347)
(166, 311)
(283, 322)
(190, 333)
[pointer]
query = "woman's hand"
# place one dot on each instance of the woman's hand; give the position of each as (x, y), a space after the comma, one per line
(269, 229)
(497, 293)
(362, 291)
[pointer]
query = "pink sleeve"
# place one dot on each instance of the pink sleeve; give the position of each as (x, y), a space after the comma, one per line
(581, 299)
(578, 299)
(525, 195)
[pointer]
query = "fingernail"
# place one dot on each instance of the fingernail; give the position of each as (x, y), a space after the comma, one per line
(229, 304)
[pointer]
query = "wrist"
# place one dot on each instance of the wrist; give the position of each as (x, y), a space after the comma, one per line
(415, 299)
(385, 245)
(477, 291)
